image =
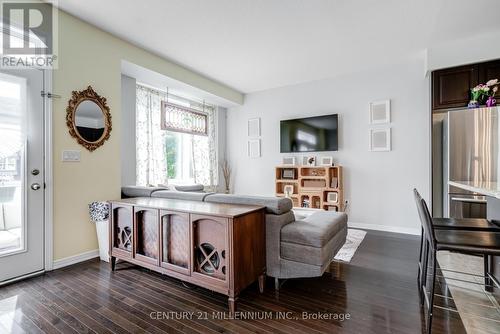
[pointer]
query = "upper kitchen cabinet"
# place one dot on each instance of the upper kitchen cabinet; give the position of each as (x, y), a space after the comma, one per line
(451, 86)
(489, 70)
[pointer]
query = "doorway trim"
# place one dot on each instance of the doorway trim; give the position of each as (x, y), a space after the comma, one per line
(48, 178)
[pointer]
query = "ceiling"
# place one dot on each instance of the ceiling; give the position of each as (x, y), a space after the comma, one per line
(253, 45)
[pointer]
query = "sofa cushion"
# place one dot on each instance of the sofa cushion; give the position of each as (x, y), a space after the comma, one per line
(190, 188)
(139, 191)
(315, 230)
(187, 196)
(276, 205)
(317, 256)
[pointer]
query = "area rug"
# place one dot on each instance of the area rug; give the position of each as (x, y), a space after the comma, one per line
(354, 239)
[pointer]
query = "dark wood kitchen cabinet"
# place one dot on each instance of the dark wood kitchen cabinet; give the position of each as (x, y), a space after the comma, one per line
(451, 86)
(488, 71)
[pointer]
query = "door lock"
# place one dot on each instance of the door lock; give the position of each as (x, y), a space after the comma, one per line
(35, 186)
(35, 172)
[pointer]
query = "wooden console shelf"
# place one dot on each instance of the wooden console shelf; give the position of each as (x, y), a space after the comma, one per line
(221, 247)
(313, 186)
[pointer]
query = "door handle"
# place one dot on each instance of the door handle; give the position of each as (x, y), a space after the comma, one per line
(468, 200)
(35, 186)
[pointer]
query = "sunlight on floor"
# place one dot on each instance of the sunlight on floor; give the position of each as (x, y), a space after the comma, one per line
(479, 310)
(7, 314)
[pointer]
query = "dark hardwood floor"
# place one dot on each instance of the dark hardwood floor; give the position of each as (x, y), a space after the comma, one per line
(377, 291)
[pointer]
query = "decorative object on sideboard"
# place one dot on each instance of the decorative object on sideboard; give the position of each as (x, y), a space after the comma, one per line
(226, 173)
(288, 161)
(253, 127)
(380, 140)
(484, 94)
(311, 161)
(254, 148)
(288, 173)
(332, 197)
(288, 190)
(326, 161)
(88, 118)
(380, 112)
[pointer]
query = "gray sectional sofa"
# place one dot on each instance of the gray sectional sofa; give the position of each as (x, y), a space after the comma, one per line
(294, 248)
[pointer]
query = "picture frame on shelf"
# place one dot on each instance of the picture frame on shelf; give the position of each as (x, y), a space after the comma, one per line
(288, 161)
(254, 148)
(332, 197)
(380, 112)
(380, 140)
(253, 128)
(288, 190)
(288, 173)
(326, 161)
(334, 183)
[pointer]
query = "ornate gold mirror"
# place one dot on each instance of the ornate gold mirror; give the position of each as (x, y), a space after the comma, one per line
(88, 118)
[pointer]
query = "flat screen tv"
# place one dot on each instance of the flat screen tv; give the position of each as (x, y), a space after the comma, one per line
(312, 134)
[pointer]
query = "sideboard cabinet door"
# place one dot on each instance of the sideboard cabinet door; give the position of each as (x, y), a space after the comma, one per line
(147, 235)
(210, 248)
(175, 250)
(121, 230)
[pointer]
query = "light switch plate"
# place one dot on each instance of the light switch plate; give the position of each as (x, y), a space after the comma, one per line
(71, 156)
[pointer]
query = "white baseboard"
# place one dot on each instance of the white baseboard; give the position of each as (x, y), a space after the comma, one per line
(67, 261)
(385, 228)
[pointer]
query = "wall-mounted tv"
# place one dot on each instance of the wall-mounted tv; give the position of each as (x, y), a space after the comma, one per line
(312, 134)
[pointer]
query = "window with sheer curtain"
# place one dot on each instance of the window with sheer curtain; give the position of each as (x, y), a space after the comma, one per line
(175, 140)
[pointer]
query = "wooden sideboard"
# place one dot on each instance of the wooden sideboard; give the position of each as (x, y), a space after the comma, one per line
(221, 247)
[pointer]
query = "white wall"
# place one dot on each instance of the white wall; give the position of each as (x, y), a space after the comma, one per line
(470, 50)
(128, 131)
(377, 185)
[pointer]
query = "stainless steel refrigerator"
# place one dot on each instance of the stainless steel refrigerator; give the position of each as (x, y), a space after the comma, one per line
(470, 153)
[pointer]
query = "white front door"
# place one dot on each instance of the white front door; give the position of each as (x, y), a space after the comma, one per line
(21, 173)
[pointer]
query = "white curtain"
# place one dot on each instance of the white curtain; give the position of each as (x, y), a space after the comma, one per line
(151, 158)
(151, 141)
(205, 168)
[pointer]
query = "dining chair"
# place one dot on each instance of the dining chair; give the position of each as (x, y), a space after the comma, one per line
(457, 240)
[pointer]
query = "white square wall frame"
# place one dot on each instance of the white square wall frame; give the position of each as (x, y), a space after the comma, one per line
(380, 140)
(380, 112)
(253, 127)
(254, 148)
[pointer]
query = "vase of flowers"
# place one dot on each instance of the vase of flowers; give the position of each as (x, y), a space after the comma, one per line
(484, 94)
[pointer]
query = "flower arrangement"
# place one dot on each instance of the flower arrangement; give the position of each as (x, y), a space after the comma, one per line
(484, 94)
